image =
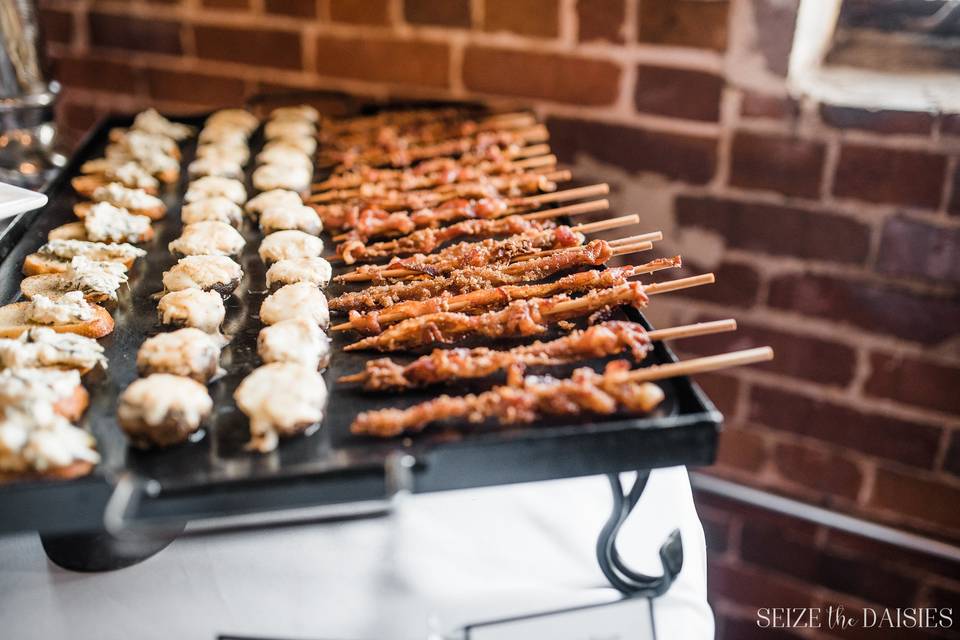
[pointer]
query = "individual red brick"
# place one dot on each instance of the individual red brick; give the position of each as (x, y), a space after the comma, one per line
(539, 18)
(94, 73)
(912, 381)
(684, 23)
(136, 34)
(830, 473)
(57, 25)
(366, 12)
(560, 78)
(783, 164)
(754, 588)
(798, 356)
(687, 158)
(227, 4)
(877, 308)
(772, 107)
(678, 93)
(721, 389)
(260, 46)
(915, 497)
(601, 20)
(774, 25)
(777, 230)
(917, 249)
(194, 88)
(875, 434)
(450, 13)
(384, 60)
(737, 285)
(296, 8)
(894, 176)
(882, 121)
(741, 450)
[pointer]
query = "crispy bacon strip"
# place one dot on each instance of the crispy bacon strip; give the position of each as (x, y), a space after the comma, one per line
(394, 136)
(428, 175)
(522, 401)
(519, 318)
(367, 222)
(395, 197)
(595, 253)
(403, 157)
(449, 365)
(469, 254)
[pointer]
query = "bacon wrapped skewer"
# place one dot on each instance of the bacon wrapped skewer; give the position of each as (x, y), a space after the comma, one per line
(523, 400)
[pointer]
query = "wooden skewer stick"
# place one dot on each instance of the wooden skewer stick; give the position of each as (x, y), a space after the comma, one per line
(700, 365)
(671, 333)
(590, 227)
(650, 289)
(566, 195)
(632, 248)
(530, 151)
(577, 209)
(536, 162)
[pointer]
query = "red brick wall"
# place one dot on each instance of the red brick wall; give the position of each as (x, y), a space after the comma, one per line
(834, 232)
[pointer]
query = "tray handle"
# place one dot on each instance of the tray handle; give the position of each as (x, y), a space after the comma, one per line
(120, 517)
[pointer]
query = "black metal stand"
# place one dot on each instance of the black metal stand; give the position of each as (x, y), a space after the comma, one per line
(614, 568)
(100, 551)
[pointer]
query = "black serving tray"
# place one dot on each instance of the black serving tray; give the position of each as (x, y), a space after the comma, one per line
(215, 478)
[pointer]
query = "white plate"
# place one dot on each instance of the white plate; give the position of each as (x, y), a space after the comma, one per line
(15, 200)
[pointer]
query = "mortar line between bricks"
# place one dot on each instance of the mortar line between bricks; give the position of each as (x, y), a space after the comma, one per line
(939, 460)
(569, 23)
(831, 159)
(867, 484)
(949, 186)
(730, 102)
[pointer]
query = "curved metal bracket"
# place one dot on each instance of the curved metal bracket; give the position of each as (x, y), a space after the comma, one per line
(622, 577)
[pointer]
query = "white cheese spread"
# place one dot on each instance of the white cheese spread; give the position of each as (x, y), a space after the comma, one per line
(69, 308)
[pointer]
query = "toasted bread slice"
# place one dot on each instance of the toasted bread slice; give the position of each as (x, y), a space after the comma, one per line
(71, 471)
(13, 322)
(36, 264)
(85, 185)
(54, 285)
(72, 408)
(76, 231)
(81, 209)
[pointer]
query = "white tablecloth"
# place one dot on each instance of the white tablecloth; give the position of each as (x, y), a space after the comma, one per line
(440, 561)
